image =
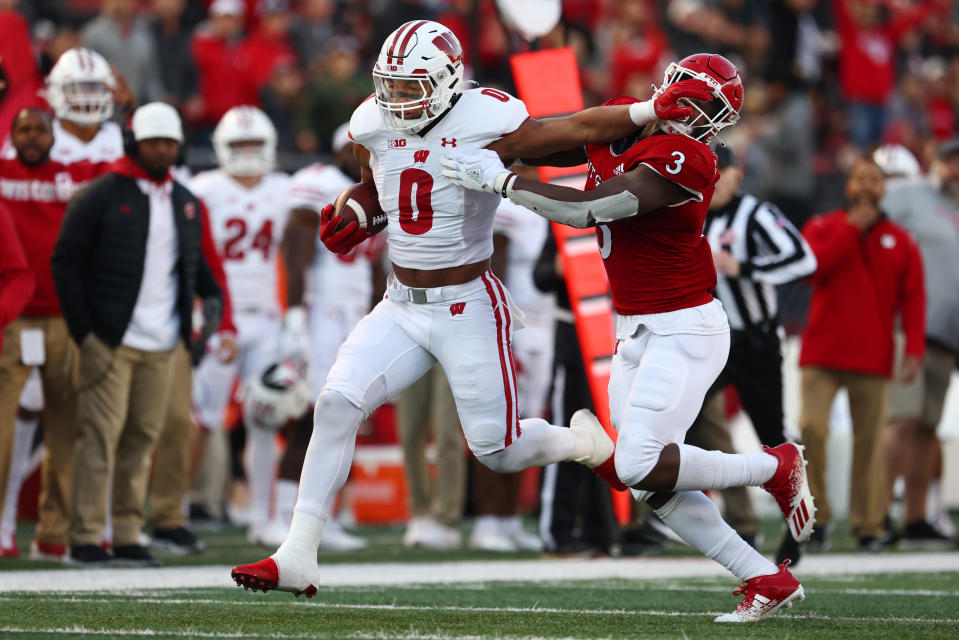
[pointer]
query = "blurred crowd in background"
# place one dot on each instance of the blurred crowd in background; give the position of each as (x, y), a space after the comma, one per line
(824, 78)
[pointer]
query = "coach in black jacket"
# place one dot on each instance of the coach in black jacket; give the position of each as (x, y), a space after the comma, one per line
(127, 266)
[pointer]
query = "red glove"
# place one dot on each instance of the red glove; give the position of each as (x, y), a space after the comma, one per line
(339, 240)
(667, 105)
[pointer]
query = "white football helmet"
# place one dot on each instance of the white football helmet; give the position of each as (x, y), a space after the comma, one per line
(896, 160)
(280, 394)
(422, 62)
(80, 87)
(242, 125)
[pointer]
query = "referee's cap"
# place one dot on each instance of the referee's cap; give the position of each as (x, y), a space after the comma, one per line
(724, 156)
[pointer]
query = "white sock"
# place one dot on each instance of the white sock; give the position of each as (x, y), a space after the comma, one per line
(486, 525)
(285, 500)
(540, 443)
(24, 431)
(696, 520)
(325, 469)
(304, 537)
(933, 500)
(700, 469)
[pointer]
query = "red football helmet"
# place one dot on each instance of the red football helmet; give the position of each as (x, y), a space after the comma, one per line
(708, 118)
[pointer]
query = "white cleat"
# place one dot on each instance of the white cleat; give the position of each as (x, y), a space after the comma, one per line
(423, 532)
(335, 538)
(593, 445)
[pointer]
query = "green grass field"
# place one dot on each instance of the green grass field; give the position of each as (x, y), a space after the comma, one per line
(882, 605)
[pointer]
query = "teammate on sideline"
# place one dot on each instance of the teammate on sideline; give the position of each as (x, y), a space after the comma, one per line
(328, 294)
(443, 304)
(648, 194)
(246, 201)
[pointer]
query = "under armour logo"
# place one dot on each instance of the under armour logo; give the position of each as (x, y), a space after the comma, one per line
(456, 309)
(421, 155)
(451, 142)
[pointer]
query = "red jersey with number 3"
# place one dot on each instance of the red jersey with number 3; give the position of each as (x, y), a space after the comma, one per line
(658, 262)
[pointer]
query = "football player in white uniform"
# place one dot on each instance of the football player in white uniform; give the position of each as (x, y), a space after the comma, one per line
(328, 294)
(246, 202)
(443, 304)
(80, 90)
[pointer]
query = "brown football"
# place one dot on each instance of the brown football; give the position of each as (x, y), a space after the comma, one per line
(360, 203)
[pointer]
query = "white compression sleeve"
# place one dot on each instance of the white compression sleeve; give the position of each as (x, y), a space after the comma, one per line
(577, 214)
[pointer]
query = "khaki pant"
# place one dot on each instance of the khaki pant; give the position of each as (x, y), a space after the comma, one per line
(122, 404)
(59, 377)
(867, 403)
(711, 432)
(427, 401)
(174, 450)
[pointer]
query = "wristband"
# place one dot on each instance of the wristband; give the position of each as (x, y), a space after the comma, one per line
(502, 182)
(642, 113)
(295, 319)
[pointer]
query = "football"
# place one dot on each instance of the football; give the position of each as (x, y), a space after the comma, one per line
(360, 203)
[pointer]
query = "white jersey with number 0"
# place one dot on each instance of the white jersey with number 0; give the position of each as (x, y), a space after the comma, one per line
(434, 224)
(247, 225)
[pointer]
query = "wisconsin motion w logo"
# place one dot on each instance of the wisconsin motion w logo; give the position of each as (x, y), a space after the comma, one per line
(421, 155)
(456, 309)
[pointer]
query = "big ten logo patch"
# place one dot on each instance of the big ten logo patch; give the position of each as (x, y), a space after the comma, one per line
(396, 143)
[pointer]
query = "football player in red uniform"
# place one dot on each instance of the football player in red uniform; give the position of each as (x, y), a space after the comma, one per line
(647, 195)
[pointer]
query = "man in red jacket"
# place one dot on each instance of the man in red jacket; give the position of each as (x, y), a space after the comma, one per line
(870, 271)
(36, 190)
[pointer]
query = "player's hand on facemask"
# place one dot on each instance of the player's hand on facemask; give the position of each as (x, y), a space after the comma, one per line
(667, 106)
(478, 171)
(667, 103)
(339, 240)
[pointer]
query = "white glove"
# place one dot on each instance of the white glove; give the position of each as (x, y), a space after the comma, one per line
(295, 340)
(478, 171)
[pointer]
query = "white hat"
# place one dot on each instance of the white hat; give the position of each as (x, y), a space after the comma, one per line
(157, 120)
(896, 160)
(227, 8)
(341, 137)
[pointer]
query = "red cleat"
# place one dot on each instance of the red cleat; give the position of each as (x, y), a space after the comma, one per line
(9, 552)
(790, 487)
(265, 576)
(47, 551)
(765, 595)
(607, 471)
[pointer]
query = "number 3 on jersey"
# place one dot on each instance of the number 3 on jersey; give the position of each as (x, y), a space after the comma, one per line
(422, 221)
(678, 166)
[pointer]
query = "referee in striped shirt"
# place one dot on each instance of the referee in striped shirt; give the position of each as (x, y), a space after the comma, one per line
(754, 248)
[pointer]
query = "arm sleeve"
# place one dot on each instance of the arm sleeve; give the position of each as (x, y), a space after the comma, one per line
(785, 255)
(77, 238)
(16, 278)
(215, 266)
(544, 271)
(912, 302)
(832, 243)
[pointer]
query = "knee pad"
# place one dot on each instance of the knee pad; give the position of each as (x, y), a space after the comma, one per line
(334, 409)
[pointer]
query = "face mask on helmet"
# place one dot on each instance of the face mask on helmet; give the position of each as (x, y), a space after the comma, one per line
(245, 142)
(417, 75)
(708, 117)
(80, 87)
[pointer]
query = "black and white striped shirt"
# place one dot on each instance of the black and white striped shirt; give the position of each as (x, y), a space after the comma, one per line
(770, 251)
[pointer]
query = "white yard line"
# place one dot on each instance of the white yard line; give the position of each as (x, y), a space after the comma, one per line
(386, 574)
(411, 635)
